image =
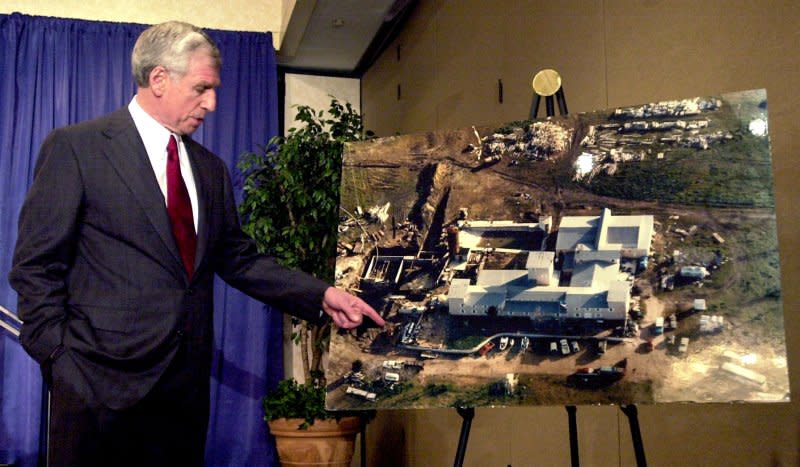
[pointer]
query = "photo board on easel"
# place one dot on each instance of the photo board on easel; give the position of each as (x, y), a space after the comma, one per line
(622, 256)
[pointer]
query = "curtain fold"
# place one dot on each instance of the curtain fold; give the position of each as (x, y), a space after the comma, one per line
(58, 72)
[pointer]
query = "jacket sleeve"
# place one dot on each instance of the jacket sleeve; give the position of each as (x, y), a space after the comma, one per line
(259, 275)
(45, 247)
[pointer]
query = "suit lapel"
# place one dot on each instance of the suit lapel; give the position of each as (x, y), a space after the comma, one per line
(203, 183)
(127, 154)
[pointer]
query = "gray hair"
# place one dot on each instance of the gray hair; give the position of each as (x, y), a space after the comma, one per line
(170, 45)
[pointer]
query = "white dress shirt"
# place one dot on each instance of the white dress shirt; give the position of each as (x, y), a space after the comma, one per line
(155, 138)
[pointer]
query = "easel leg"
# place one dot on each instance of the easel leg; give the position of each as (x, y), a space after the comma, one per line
(548, 102)
(534, 113)
(562, 101)
(363, 443)
(636, 435)
(467, 414)
(573, 436)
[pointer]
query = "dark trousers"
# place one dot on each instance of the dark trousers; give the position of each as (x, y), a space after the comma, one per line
(166, 428)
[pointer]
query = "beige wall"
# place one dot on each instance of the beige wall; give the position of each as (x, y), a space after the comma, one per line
(609, 53)
(316, 92)
(234, 15)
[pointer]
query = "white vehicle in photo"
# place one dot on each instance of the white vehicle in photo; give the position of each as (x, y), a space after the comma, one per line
(391, 377)
(564, 346)
(392, 364)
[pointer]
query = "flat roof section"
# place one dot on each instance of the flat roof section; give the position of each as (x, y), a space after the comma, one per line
(537, 294)
(570, 237)
(458, 288)
(628, 237)
(485, 298)
(618, 291)
(595, 275)
(625, 232)
(504, 277)
(585, 297)
(540, 259)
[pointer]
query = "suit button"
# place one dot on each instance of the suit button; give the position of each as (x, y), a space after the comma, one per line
(180, 333)
(189, 291)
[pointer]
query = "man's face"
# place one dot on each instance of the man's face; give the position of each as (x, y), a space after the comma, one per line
(187, 99)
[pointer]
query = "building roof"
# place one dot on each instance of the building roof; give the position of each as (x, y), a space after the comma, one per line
(536, 294)
(585, 297)
(497, 277)
(577, 230)
(540, 259)
(478, 296)
(619, 291)
(624, 232)
(605, 232)
(458, 288)
(595, 274)
(594, 244)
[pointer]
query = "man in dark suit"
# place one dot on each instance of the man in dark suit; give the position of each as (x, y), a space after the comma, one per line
(121, 234)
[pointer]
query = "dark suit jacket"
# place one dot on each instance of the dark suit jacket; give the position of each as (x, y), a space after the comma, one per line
(102, 290)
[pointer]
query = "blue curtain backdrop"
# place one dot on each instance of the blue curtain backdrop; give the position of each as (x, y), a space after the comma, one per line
(57, 72)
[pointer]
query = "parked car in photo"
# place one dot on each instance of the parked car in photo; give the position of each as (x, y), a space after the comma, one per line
(576, 347)
(564, 346)
(392, 364)
(391, 377)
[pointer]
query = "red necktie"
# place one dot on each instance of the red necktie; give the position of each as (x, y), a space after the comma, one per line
(179, 208)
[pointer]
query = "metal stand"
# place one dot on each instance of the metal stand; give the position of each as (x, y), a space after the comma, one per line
(636, 435)
(573, 436)
(467, 414)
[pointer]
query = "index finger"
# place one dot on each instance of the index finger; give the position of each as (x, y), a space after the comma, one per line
(372, 314)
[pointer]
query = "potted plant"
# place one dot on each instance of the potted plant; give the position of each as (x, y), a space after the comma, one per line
(305, 433)
(291, 208)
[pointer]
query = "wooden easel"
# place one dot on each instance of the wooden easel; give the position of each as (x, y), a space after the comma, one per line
(547, 83)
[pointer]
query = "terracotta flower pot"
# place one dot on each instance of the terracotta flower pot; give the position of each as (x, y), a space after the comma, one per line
(325, 443)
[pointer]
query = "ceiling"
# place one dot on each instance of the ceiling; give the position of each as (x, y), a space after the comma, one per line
(340, 37)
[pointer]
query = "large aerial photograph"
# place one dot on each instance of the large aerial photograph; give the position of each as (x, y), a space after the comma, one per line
(627, 255)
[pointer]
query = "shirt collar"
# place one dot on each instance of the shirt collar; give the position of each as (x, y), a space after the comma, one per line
(154, 135)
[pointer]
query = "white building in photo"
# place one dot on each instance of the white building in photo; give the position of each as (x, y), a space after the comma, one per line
(591, 248)
(630, 236)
